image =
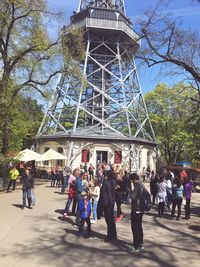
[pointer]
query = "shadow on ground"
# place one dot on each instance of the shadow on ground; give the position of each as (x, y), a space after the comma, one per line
(20, 206)
(64, 247)
(195, 209)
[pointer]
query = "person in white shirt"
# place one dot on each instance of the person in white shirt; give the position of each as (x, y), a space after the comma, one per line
(169, 192)
(161, 195)
(95, 196)
(172, 175)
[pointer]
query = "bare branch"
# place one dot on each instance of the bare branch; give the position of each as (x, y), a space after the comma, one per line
(167, 43)
(33, 83)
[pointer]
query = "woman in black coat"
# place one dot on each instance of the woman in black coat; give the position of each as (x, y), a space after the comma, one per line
(153, 189)
(107, 202)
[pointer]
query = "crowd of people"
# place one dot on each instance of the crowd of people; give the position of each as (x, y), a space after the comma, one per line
(92, 195)
(169, 192)
(95, 194)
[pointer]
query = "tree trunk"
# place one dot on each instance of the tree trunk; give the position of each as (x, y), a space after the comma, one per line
(5, 139)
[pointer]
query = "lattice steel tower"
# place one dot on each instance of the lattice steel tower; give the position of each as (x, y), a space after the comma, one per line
(107, 105)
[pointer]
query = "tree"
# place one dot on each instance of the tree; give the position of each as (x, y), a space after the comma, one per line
(25, 122)
(26, 56)
(167, 44)
(172, 115)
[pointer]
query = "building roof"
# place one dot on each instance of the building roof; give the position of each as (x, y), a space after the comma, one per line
(107, 137)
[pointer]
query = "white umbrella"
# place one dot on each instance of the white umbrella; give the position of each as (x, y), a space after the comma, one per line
(51, 155)
(27, 155)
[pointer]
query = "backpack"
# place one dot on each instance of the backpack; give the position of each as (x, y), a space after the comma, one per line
(145, 200)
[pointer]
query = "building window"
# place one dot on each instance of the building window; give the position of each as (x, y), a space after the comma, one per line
(85, 155)
(46, 162)
(118, 157)
(59, 161)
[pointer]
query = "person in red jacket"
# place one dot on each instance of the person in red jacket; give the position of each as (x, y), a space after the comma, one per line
(71, 197)
(183, 175)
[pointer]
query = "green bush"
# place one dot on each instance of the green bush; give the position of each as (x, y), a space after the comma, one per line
(4, 171)
(196, 164)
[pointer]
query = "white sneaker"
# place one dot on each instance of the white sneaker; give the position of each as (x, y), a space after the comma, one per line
(93, 221)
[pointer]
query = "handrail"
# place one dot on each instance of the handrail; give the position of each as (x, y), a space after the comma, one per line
(106, 24)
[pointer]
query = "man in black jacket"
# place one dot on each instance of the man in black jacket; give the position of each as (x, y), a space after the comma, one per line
(107, 199)
(27, 184)
(136, 214)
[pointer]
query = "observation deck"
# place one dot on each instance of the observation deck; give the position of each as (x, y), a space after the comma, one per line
(99, 19)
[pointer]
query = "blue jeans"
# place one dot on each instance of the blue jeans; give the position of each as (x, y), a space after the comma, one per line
(26, 194)
(65, 184)
(95, 203)
(69, 201)
(53, 180)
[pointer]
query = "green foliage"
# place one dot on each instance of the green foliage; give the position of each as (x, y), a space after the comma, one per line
(4, 172)
(73, 44)
(68, 115)
(172, 115)
(28, 61)
(196, 164)
(73, 49)
(26, 116)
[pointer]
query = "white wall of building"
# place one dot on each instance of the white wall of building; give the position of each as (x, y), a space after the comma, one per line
(146, 156)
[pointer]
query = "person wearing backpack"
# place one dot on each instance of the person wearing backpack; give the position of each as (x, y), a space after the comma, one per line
(139, 204)
(178, 199)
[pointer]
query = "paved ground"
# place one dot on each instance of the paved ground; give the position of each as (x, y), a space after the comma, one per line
(40, 237)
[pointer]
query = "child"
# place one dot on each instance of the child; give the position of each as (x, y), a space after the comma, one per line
(84, 209)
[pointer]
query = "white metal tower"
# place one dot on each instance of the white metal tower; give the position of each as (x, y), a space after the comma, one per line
(107, 104)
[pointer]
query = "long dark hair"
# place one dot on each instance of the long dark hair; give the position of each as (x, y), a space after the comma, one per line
(109, 174)
(178, 183)
(161, 178)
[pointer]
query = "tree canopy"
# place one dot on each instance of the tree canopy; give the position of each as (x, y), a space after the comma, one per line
(176, 121)
(26, 57)
(26, 118)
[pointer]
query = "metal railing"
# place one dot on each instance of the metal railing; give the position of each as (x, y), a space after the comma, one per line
(112, 24)
(106, 24)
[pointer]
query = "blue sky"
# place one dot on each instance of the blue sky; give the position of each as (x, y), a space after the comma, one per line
(189, 10)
